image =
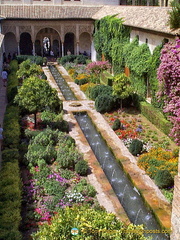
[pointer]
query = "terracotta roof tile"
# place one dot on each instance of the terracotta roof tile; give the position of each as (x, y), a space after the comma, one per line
(47, 11)
(151, 18)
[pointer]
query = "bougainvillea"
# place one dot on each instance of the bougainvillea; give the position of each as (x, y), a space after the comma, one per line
(98, 67)
(169, 79)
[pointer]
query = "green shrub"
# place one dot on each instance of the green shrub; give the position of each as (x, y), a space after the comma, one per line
(156, 117)
(85, 188)
(81, 168)
(11, 127)
(9, 155)
(163, 179)
(98, 90)
(136, 147)
(81, 81)
(78, 59)
(31, 134)
(35, 59)
(37, 151)
(89, 221)
(52, 187)
(104, 103)
(66, 173)
(13, 65)
(116, 124)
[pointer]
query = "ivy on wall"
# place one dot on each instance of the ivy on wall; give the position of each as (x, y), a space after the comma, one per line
(154, 63)
(109, 38)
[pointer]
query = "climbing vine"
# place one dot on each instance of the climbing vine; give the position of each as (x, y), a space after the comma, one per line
(154, 63)
(109, 37)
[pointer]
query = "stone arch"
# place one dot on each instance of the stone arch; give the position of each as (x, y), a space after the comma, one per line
(54, 41)
(56, 48)
(38, 48)
(25, 44)
(10, 43)
(85, 43)
(69, 43)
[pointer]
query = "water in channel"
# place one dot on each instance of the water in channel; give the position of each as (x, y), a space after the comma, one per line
(127, 194)
(62, 84)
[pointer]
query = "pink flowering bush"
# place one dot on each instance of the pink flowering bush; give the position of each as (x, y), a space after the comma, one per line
(98, 67)
(169, 80)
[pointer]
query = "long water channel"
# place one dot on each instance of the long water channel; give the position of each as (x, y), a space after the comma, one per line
(128, 195)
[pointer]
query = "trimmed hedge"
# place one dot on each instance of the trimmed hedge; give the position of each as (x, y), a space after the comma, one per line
(156, 117)
(36, 59)
(10, 201)
(11, 127)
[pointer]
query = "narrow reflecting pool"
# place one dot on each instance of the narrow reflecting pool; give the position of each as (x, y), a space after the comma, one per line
(127, 194)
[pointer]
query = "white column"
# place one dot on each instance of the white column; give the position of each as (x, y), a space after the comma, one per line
(77, 48)
(62, 47)
(93, 52)
(18, 50)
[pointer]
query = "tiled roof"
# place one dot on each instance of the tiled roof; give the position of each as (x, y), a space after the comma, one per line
(151, 18)
(48, 11)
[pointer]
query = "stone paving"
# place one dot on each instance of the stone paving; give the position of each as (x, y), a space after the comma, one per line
(3, 102)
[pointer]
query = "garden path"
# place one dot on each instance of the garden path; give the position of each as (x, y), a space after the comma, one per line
(3, 102)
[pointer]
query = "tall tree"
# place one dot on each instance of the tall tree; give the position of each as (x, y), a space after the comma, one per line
(36, 95)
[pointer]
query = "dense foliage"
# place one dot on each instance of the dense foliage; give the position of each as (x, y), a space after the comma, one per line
(169, 81)
(174, 15)
(90, 223)
(31, 96)
(10, 179)
(159, 159)
(109, 37)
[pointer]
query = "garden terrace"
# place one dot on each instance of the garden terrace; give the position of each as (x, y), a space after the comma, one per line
(150, 192)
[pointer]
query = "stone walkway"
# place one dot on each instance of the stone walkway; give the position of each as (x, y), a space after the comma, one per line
(3, 102)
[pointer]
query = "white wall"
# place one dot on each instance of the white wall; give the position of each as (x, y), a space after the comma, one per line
(152, 40)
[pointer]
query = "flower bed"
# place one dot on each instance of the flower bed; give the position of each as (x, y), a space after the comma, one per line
(158, 155)
(49, 184)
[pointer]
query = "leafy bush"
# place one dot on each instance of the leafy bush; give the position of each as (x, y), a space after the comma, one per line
(54, 121)
(85, 188)
(9, 155)
(31, 134)
(163, 179)
(81, 167)
(104, 103)
(66, 173)
(81, 81)
(136, 147)
(110, 226)
(98, 90)
(116, 124)
(10, 201)
(11, 127)
(156, 117)
(158, 159)
(37, 151)
(35, 59)
(78, 59)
